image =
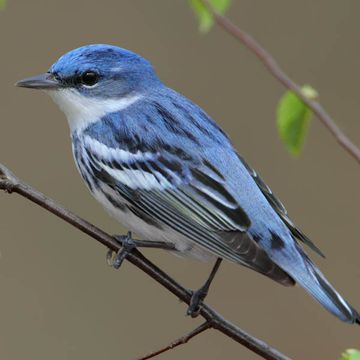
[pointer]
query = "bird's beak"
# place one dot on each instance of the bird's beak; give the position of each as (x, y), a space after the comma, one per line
(42, 82)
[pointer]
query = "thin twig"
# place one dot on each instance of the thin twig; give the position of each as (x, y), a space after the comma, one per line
(10, 183)
(180, 341)
(274, 68)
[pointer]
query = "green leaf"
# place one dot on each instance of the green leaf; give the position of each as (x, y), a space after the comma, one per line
(293, 118)
(205, 18)
(351, 354)
(2, 4)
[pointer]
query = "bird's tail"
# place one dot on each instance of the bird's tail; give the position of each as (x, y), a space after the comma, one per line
(315, 283)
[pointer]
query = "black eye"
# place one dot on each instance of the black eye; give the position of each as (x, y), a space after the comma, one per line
(89, 78)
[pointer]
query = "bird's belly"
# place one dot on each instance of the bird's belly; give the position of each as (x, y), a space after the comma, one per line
(151, 232)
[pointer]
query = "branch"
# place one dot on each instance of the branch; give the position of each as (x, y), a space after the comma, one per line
(274, 68)
(180, 341)
(11, 184)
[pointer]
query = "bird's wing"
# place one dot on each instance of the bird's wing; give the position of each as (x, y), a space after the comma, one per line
(280, 209)
(190, 197)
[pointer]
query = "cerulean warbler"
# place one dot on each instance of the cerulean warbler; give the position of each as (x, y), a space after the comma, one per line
(162, 167)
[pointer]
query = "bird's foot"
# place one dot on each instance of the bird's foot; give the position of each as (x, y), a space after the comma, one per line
(197, 297)
(127, 245)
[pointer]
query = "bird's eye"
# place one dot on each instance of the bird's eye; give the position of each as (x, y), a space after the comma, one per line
(55, 75)
(89, 78)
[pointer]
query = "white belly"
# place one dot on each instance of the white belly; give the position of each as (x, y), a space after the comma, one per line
(145, 231)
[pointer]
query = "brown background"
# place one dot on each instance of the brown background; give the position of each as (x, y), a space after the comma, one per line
(58, 299)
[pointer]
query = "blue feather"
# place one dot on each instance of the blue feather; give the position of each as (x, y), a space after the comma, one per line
(150, 153)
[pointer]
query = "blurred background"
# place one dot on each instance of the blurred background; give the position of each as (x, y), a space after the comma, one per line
(58, 299)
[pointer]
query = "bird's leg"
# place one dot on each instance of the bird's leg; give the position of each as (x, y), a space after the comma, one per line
(199, 295)
(128, 244)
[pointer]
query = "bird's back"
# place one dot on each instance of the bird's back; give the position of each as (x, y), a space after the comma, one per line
(160, 158)
(171, 121)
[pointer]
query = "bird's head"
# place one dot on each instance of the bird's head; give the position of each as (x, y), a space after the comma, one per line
(95, 79)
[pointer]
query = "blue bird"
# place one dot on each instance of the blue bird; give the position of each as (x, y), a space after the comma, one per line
(162, 167)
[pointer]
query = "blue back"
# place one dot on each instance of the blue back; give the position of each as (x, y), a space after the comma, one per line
(162, 120)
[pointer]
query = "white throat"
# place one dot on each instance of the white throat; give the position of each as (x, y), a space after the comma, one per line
(81, 111)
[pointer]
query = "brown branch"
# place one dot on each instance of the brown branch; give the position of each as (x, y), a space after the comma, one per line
(274, 68)
(11, 184)
(180, 341)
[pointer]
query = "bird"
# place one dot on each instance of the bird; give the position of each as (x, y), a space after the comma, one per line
(165, 170)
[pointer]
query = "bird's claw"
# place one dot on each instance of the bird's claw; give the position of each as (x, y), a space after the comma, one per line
(196, 299)
(127, 245)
